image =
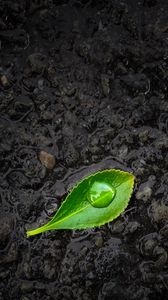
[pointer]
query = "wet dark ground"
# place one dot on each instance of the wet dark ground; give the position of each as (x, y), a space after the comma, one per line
(85, 81)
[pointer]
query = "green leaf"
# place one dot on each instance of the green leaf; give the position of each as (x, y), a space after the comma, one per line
(97, 199)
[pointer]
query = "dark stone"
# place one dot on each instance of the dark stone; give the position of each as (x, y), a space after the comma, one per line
(6, 228)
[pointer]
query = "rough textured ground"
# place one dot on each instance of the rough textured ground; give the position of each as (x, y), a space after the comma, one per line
(85, 81)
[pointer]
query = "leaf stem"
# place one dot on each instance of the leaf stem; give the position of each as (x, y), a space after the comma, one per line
(36, 231)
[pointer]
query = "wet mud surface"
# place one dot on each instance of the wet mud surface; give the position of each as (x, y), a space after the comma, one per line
(86, 82)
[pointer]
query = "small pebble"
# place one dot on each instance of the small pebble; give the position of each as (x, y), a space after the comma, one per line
(143, 136)
(160, 212)
(162, 143)
(105, 85)
(145, 190)
(144, 194)
(4, 81)
(131, 227)
(47, 160)
(6, 228)
(99, 241)
(26, 286)
(116, 227)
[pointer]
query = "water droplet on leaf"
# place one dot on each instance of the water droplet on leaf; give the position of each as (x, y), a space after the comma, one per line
(101, 194)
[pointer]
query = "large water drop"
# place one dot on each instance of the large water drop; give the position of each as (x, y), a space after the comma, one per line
(101, 194)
